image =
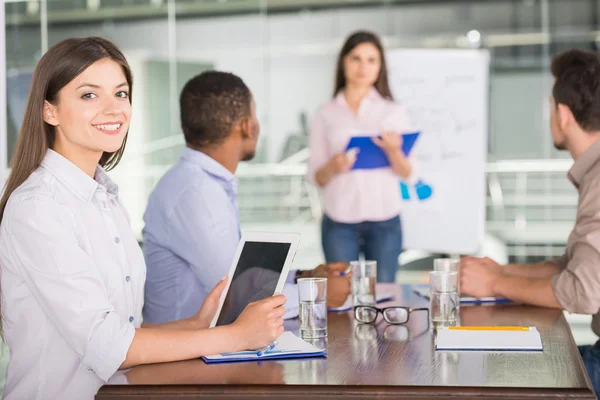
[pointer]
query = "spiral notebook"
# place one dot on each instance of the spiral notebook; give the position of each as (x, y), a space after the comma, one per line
(424, 291)
(288, 346)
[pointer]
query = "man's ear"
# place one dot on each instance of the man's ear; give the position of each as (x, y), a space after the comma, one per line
(246, 128)
(565, 116)
(49, 113)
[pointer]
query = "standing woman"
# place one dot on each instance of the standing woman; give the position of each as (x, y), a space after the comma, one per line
(72, 274)
(361, 206)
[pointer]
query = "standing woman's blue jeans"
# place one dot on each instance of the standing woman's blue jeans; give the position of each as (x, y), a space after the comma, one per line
(379, 241)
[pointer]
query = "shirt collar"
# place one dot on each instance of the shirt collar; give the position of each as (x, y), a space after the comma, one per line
(104, 180)
(584, 164)
(77, 180)
(372, 95)
(210, 166)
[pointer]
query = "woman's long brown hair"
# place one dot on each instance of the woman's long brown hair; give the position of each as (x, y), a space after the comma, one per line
(59, 66)
(360, 37)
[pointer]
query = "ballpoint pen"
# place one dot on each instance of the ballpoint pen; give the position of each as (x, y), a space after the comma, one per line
(266, 349)
(347, 271)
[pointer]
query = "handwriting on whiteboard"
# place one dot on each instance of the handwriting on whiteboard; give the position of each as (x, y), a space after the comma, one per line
(436, 105)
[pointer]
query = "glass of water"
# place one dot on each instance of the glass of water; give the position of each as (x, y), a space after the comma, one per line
(444, 298)
(364, 278)
(312, 293)
(448, 265)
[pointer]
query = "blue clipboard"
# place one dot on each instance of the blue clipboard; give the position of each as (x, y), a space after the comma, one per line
(371, 157)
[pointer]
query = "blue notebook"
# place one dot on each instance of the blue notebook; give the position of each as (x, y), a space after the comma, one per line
(288, 346)
(370, 156)
(423, 291)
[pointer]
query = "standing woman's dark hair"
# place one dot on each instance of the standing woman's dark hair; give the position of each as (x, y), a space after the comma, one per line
(357, 38)
(59, 66)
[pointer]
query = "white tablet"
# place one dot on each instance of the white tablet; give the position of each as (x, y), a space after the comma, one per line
(260, 269)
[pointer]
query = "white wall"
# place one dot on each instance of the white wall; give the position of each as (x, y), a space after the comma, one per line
(518, 120)
(288, 59)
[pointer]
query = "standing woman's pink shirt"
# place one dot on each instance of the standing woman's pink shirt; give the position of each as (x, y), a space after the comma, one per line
(357, 195)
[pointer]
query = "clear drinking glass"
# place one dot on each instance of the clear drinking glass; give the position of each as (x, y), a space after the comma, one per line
(364, 279)
(448, 265)
(444, 298)
(312, 295)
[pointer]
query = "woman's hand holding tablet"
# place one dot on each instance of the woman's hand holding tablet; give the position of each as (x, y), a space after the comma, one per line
(261, 322)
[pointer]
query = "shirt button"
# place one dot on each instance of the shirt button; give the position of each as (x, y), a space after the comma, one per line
(130, 319)
(117, 240)
(127, 278)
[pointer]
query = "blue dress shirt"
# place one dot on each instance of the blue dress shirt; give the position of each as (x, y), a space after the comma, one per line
(191, 233)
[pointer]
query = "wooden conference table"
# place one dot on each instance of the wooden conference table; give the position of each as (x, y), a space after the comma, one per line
(383, 362)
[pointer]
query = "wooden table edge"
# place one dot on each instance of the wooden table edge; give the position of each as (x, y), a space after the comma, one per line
(332, 391)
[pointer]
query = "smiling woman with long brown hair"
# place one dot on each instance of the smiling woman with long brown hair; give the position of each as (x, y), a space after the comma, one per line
(72, 274)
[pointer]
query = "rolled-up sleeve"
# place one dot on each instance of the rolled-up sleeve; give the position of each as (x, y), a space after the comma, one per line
(561, 261)
(318, 146)
(577, 287)
(66, 282)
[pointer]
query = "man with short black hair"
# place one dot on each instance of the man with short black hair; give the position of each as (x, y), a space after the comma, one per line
(572, 281)
(192, 226)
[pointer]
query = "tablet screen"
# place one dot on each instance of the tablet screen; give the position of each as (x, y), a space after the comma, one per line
(255, 278)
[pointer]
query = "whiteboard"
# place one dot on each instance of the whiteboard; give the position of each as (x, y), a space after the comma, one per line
(446, 95)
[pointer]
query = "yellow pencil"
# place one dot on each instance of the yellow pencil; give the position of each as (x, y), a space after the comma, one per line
(488, 328)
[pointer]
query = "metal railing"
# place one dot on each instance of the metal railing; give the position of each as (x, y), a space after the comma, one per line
(531, 206)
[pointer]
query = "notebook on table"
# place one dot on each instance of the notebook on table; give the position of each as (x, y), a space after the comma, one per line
(288, 346)
(491, 338)
(424, 291)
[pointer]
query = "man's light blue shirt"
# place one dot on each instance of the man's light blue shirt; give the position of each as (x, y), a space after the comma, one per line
(191, 233)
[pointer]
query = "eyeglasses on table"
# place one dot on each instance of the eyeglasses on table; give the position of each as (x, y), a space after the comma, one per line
(392, 315)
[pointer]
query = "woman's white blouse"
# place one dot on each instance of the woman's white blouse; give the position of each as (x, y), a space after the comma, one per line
(72, 283)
